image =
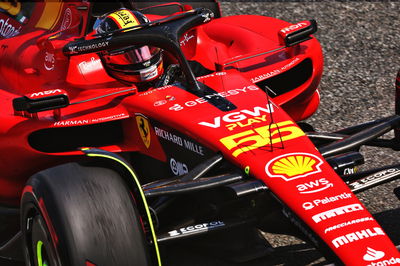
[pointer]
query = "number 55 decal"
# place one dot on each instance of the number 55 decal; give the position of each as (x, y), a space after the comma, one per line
(261, 136)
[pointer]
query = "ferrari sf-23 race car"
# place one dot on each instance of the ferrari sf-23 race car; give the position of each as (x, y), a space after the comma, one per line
(127, 128)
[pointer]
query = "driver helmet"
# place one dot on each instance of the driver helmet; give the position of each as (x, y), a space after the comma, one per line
(134, 64)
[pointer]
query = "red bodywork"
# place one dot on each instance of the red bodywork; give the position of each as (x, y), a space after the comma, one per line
(259, 137)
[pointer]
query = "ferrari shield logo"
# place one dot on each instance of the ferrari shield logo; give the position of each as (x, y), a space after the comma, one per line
(293, 165)
(144, 129)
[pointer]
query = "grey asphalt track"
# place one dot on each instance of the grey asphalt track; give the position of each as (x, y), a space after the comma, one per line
(361, 45)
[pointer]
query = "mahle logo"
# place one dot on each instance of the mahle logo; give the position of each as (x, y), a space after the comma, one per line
(293, 165)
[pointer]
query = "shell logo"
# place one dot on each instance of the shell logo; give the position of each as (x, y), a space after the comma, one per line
(293, 165)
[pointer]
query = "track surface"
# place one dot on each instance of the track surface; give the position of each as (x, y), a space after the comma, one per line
(362, 50)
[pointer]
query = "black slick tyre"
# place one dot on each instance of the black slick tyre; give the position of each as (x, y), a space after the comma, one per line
(81, 215)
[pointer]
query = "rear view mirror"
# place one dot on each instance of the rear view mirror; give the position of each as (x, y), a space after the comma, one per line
(297, 33)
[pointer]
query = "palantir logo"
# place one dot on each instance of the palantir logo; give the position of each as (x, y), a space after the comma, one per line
(373, 254)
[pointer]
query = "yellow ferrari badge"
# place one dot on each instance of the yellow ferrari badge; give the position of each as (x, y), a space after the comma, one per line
(144, 129)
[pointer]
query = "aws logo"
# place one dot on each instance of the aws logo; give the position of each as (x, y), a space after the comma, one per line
(314, 186)
(293, 165)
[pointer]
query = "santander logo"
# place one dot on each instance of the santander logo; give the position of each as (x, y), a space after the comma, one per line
(373, 254)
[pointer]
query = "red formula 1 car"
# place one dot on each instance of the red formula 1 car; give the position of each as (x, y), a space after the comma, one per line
(126, 127)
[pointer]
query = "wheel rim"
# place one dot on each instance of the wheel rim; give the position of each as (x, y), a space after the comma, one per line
(42, 259)
(39, 243)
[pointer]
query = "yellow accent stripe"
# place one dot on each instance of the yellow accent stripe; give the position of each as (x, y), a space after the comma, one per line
(124, 19)
(50, 15)
(153, 233)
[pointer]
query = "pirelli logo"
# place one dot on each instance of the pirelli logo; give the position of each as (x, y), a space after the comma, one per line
(336, 212)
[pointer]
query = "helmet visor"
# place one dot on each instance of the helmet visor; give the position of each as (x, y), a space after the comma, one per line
(132, 57)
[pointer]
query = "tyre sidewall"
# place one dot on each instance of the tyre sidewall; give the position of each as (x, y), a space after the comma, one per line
(89, 214)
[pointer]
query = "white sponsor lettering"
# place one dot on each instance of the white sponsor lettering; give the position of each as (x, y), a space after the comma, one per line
(149, 73)
(326, 200)
(186, 39)
(72, 122)
(293, 27)
(107, 118)
(90, 121)
(207, 16)
(358, 235)
(168, 136)
(341, 225)
(178, 107)
(252, 116)
(44, 93)
(193, 147)
(178, 168)
(216, 74)
(49, 61)
(189, 145)
(75, 49)
(275, 72)
(390, 261)
(387, 173)
(67, 20)
(349, 171)
(154, 90)
(90, 66)
(160, 102)
(373, 254)
(196, 228)
(7, 30)
(314, 186)
(337, 211)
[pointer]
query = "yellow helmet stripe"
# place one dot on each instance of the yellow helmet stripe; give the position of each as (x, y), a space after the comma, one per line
(124, 19)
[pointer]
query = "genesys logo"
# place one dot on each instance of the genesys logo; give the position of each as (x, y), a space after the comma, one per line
(204, 99)
(373, 254)
(293, 165)
(336, 212)
(356, 236)
(318, 202)
(314, 186)
(242, 118)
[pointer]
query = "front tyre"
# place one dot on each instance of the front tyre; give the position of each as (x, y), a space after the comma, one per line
(81, 215)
